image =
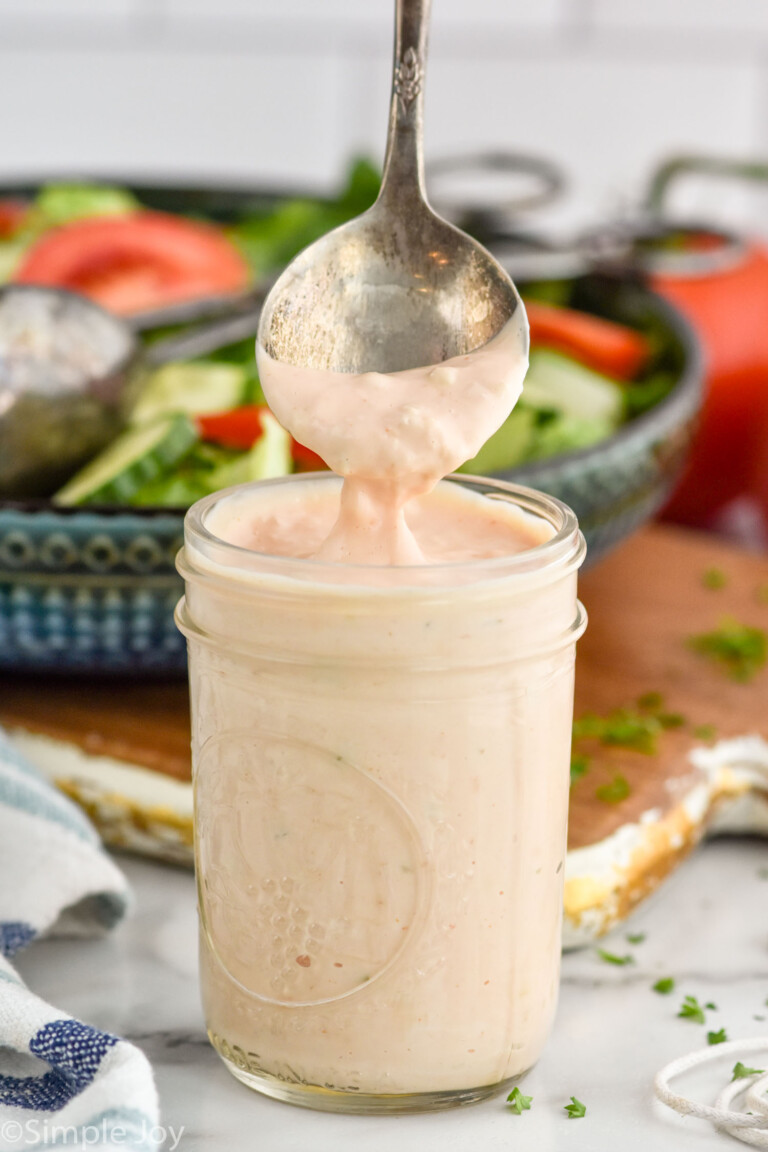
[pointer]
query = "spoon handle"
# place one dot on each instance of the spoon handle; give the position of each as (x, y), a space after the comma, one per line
(403, 177)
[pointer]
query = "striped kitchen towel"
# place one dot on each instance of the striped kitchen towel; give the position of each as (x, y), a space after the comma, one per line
(61, 1081)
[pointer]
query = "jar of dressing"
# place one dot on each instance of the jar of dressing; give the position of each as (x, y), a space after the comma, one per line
(381, 772)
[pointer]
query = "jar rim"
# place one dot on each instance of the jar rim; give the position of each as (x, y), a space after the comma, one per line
(565, 547)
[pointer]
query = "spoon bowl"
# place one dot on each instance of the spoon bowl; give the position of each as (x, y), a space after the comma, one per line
(387, 292)
(397, 287)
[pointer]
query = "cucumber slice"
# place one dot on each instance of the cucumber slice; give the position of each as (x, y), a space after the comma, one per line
(270, 456)
(195, 389)
(173, 490)
(130, 461)
(507, 447)
(567, 434)
(558, 383)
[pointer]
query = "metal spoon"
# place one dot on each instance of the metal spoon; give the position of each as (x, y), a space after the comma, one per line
(69, 373)
(397, 287)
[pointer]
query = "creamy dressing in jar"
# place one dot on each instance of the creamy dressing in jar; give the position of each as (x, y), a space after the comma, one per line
(381, 773)
(381, 675)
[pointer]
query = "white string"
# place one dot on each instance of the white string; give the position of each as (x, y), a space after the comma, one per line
(751, 1129)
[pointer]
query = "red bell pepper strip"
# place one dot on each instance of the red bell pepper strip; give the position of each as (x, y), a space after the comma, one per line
(241, 427)
(238, 428)
(305, 459)
(599, 344)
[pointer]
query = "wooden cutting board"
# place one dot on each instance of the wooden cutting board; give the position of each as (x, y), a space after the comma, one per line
(122, 748)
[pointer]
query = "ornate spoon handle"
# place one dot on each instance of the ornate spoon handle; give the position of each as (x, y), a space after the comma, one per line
(404, 161)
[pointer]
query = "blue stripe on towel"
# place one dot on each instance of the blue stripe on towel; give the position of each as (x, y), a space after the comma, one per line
(15, 934)
(74, 1051)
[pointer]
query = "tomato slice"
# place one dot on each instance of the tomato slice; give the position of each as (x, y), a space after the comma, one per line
(137, 261)
(599, 344)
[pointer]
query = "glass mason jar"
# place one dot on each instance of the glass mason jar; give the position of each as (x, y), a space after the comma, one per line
(381, 773)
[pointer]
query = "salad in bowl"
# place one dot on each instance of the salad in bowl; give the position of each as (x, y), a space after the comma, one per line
(86, 571)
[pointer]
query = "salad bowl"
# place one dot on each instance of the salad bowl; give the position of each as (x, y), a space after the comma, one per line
(92, 589)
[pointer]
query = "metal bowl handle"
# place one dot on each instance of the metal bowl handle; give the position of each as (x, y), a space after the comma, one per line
(551, 179)
(719, 167)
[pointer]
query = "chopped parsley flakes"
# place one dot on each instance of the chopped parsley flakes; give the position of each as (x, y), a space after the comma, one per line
(718, 1037)
(575, 1109)
(615, 791)
(705, 731)
(664, 986)
(671, 719)
(579, 767)
(637, 730)
(714, 579)
(690, 1009)
(741, 1072)
(612, 958)
(519, 1103)
(621, 728)
(738, 649)
(626, 728)
(636, 937)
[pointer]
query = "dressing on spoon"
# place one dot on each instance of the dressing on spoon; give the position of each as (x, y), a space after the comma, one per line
(392, 437)
(395, 345)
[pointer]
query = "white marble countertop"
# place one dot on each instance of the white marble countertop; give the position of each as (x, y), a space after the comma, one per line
(708, 928)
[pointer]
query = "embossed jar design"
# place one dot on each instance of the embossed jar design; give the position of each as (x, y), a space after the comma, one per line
(381, 770)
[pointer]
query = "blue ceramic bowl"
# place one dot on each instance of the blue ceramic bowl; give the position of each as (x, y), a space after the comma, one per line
(93, 590)
(89, 591)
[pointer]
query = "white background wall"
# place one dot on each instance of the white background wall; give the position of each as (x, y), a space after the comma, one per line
(285, 90)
